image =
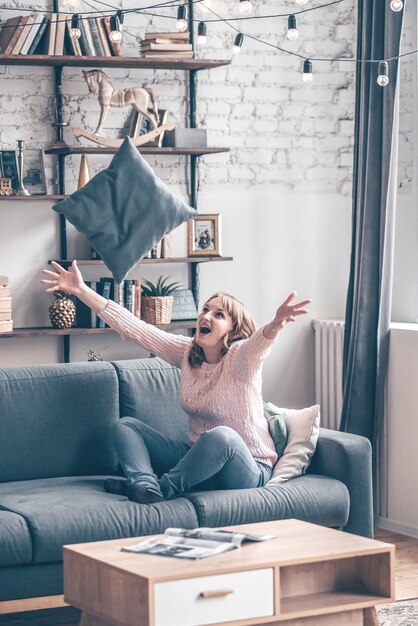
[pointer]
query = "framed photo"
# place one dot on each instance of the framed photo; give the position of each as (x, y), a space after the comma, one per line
(8, 166)
(204, 235)
(34, 172)
(140, 125)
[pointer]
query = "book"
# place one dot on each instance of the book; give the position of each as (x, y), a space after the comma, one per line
(6, 33)
(176, 36)
(5, 316)
(51, 34)
(37, 21)
(85, 27)
(4, 281)
(103, 288)
(6, 326)
(60, 35)
(129, 295)
(97, 42)
(72, 45)
(167, 47)
(93, 314)
(154, 54)
(16, 34)
(137, 298)
(198, 543)
(82, 312)
(163, 40)
(5, 304)
(83, 40)
(103, 37)
(39, 35)
(114, 45)
(27, 25)
(118, 294)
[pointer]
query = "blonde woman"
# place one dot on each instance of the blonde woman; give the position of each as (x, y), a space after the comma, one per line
(229, 442)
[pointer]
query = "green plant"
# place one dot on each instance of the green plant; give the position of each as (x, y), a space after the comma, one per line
(160, 288)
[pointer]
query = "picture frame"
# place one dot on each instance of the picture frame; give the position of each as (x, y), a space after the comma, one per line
(8, 167)
(34, 172)
(140, 125)
(204, 235)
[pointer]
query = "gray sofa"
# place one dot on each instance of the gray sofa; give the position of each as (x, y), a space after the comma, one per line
(56, 451)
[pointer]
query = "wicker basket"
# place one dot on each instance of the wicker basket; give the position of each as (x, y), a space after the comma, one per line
(157, 309)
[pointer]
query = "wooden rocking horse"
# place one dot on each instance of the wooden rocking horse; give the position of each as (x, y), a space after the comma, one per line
(138, 97)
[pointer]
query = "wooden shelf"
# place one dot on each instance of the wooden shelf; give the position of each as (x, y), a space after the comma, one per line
(31, 198)
(197, 259)
(143, 149)
(327, 602)
(48, 331)
(118, 62)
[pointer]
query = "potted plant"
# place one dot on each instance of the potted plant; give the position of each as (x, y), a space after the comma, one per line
(157, 301)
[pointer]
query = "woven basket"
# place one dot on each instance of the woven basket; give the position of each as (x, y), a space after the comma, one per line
(157, 309)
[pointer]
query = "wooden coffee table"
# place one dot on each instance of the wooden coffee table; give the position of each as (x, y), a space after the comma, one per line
(307, 576)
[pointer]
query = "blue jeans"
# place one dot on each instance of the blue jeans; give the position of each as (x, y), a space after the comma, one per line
(218, 460)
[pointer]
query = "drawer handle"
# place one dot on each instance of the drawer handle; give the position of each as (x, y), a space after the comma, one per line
(215, 593)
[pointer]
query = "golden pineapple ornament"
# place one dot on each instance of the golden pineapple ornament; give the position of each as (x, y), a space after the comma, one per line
(62, 311)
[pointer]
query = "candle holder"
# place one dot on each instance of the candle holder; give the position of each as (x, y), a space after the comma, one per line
(60, 113)
(21, 189)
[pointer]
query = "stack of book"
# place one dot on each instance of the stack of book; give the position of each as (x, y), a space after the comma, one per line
(127, 294)
(6, 322)
(167, 45)
(50, 34)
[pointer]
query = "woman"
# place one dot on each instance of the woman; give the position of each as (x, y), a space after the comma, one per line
(229, 441)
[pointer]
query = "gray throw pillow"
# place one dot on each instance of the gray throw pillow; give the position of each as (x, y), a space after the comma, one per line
(277, 428)
(124, 210)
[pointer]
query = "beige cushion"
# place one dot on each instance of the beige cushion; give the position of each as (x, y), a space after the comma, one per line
(302, 436)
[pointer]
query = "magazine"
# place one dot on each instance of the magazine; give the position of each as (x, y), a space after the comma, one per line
(194, 544)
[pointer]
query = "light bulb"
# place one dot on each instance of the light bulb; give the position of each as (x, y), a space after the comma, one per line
(115, 33)
(383, 74)
(75, 31)
(238, 43)
(292, 29)
(301, 3)
(181, 23)
(245, 6)
(396, 5)
(307, 74)
(201, 33)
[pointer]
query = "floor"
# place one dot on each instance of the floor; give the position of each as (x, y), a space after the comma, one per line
(406, 586)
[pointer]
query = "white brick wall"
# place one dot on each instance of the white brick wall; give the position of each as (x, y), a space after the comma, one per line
(280, 130)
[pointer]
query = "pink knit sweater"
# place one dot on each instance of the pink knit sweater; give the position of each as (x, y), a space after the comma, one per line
(227, 393)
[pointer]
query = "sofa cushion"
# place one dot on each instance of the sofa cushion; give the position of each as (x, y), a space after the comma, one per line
(61, 511)
(15, 539)
(54, 420)
(141, 381)
(311, 498)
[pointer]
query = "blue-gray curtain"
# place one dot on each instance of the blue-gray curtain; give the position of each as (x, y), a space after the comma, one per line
(366, 338)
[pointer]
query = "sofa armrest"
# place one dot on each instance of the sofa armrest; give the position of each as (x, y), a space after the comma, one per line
(348, 458)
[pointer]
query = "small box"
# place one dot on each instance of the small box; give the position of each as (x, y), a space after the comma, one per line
(185, 138)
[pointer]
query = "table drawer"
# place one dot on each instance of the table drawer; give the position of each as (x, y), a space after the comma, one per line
(214, 599)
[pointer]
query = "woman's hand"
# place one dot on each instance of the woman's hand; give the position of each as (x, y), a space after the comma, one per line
(287, 312)
(61, 280)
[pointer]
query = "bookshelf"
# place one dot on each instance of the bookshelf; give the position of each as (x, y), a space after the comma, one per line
(59, 63)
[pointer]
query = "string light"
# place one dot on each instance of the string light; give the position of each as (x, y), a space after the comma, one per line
(307, 74)
(245, 6)
(238, 43)
(120, 17)
(75, 31)
(201, 33)
(115, 32)
(383, 74)
(396, 5)
(292, 29)
(301, 3)
(181, 23)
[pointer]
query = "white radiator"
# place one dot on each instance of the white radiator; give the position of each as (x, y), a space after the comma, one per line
(329, 338)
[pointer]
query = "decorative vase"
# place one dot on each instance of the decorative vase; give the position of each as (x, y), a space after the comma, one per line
(84, 174)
